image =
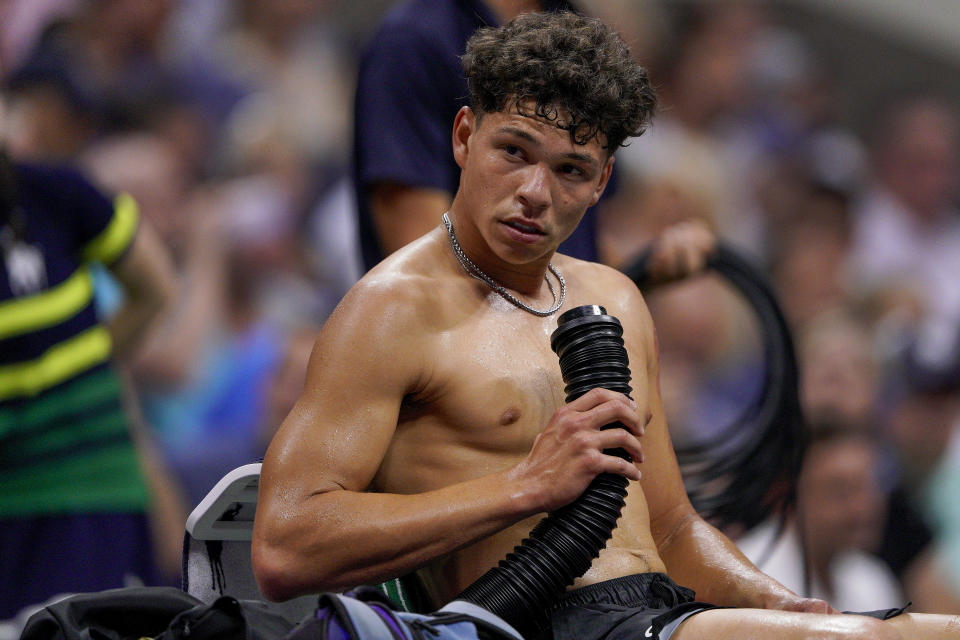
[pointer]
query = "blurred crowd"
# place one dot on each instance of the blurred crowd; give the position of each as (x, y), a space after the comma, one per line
(230, 123)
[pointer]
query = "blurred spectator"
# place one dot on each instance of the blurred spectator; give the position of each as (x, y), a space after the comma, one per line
(292, 126)
(53, 113)
(711, 365)
(809, 254)
(286, 143)
(826, 549)
(839, 372)
(923, 429)
(842, 382)
(701, 72)
(907, 228)
(288, 379)
(204, 381)
(409, 90)
(794, 147)
(295, 78)
(73, 493)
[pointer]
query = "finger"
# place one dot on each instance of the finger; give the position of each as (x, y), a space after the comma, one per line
(598, 396)
(812, 605)
(662, 260)
(688, 259)
(615, 411)
(708, 239)
(619, 466)
(623, 439)
(678, 268)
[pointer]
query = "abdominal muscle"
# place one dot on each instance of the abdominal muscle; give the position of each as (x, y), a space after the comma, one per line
(629, 551)
(428, 453)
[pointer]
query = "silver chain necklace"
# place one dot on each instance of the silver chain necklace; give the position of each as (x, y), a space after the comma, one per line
(474, 271)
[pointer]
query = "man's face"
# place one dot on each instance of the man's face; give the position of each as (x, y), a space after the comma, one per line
(526, 184)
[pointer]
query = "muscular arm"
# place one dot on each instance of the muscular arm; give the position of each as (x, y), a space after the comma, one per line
(402, 213)
(316, 527)
(696, 554)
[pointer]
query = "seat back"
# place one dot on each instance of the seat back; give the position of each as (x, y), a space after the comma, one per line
(216, 546)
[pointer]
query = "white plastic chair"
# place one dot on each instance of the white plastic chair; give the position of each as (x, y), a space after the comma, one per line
(216, 546)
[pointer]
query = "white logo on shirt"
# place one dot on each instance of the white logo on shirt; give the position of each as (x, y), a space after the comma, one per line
(649, 632)
(25, 268)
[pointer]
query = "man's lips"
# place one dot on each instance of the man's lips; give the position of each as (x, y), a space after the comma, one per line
(524, 227)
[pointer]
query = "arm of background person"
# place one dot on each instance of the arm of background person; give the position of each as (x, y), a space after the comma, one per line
(406, 98)
(680, 250)
(168, 506)
(696, 554)
(150, 286)
(403, 213)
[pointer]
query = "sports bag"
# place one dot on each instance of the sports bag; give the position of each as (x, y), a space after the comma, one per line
(163, 613)
(367, 613)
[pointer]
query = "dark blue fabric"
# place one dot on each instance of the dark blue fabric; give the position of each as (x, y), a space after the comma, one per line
(45, 556)
(63, 213)
(63, 210)
(409, 89)
(27, 346)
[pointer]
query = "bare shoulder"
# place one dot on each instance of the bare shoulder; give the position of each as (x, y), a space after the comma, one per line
(378, 344)
(594, 283)
(391, 298)
(605, 285)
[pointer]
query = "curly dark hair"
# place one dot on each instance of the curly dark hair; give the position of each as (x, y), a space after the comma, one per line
(576, 70)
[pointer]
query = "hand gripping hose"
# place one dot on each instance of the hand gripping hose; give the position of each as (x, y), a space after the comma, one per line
(521, 588)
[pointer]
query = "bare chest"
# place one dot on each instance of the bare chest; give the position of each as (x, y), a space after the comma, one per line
(492, 386)
(500, 391)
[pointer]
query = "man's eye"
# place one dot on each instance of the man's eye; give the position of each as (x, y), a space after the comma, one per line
(571, 170)
(512, 150)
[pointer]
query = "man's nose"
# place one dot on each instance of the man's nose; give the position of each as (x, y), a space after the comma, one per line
(534, 191)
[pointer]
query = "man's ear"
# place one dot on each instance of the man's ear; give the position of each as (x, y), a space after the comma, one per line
(463, 127)
(604, 179)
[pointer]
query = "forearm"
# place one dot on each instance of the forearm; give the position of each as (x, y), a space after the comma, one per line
(402, 213)
(340, 538)
(151, 286)
(700, 557)
(131, 323)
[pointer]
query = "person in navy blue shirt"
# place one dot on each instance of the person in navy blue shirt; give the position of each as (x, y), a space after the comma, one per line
(409, 89)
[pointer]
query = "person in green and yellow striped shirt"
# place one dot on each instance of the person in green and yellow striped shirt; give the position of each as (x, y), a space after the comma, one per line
(73, 497)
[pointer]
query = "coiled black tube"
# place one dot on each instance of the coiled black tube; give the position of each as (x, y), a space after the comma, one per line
(521, 588)
(748, 470)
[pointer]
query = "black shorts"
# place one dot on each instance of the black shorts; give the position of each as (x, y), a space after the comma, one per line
(646, 605)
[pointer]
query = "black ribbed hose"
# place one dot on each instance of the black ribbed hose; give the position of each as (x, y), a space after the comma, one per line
(560, 549)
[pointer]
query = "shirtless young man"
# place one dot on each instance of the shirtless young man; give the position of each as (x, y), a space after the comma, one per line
(432, 433)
